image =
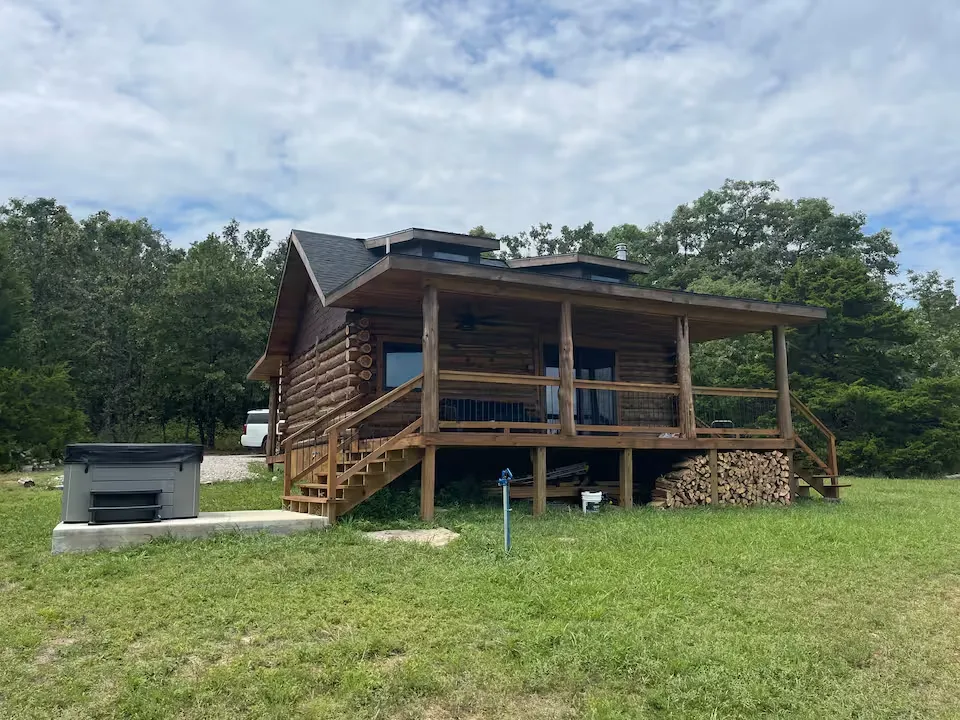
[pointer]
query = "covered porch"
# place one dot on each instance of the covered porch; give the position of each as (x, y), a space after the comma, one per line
(470, 362)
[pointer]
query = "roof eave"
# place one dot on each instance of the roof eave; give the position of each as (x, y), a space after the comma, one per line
(791, 314)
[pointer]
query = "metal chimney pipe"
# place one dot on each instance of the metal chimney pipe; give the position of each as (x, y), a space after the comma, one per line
(621, 251)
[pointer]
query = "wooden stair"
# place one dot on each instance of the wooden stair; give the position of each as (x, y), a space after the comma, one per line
(817, 478)
(310, 494)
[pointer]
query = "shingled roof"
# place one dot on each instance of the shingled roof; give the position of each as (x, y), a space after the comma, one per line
(334, 259)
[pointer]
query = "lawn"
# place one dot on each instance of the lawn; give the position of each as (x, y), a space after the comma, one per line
(815, 611)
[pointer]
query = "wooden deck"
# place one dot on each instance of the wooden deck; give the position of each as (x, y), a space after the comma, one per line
(361, 445)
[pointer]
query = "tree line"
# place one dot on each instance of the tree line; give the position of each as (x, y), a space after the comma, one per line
(108, 332)
(883, 371)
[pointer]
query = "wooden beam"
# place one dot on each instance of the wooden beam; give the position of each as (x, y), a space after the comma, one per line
(734, 392)
(466, 277)
(500, 439)
(714, 478)
(567, 418)
(688, 421)
(784, 414)
(272, 420)
(428, 482)
(430, 397)
(333, 452)
(792, 462)
(497, 378)
(627, 386)
(539, 455)
(626, 478)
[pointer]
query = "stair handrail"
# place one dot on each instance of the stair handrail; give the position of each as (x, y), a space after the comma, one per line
(320, 421)
(830, 465)
(333, 432)
(376, 405)
(391, 444)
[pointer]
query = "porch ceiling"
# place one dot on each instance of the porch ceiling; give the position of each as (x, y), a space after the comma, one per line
(396, 283)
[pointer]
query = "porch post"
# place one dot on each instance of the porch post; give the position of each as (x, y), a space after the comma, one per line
(784, 415)
(714, 477)
(626, 478)
(272, 420)
(567, 418)
(688, 420)
(430, 397)
(428, 484)
(539, 480)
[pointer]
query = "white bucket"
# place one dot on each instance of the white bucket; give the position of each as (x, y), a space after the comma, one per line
(591, 501)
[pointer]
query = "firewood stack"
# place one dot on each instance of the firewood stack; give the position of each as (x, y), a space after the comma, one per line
(744, 478)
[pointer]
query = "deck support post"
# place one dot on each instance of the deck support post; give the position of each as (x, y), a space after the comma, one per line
(794, 483)
(271, 447)
(430, 397)
(626, 478)
(714, 477)
(566, 395)
(428, 482)
(539, 457)
(688, 420)
(784, 414)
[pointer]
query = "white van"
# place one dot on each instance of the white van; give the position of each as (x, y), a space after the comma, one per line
(255, 430)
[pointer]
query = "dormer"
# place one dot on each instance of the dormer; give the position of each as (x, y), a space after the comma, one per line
(453, 247)
(581, 266)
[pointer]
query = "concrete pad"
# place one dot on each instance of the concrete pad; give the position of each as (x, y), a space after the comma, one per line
(80, 537)
(438, 537)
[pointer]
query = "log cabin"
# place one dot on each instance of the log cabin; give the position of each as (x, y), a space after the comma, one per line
(387, 352)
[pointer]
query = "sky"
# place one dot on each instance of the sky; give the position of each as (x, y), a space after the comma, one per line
(369, 116)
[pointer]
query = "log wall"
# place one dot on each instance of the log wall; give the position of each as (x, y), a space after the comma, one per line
(332, 361)
(517, 348)
(338, 354)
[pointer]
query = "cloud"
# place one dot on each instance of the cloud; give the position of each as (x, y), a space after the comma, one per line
(365, 117)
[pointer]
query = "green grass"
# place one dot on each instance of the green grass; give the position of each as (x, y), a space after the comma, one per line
(815, 611)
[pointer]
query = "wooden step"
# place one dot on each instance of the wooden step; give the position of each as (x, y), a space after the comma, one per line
(304, 499)
(322, 486)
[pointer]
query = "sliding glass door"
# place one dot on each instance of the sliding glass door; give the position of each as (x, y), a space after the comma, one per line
(591, 407)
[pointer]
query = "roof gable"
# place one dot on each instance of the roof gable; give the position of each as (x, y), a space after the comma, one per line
(332, 259)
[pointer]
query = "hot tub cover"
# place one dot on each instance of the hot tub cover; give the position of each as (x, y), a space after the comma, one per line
(132, 453)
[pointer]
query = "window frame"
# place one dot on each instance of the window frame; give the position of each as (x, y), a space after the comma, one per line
(385, 343)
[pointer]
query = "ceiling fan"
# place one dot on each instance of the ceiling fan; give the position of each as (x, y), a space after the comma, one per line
(468, 321)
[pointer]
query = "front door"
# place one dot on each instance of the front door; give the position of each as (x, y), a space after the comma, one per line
(591, 407)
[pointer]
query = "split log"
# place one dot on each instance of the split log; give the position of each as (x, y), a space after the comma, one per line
(744, 478)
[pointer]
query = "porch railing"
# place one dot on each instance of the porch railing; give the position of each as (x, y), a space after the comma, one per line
(735, 412)
(511, 403)
(814, 438)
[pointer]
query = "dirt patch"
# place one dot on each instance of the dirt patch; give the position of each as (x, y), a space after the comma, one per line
(528, 707)
(437, 537)
(51, 651)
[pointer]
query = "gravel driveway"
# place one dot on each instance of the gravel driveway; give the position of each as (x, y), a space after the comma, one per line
(226, 468)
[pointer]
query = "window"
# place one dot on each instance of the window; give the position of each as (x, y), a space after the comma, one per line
(258, 418)
(591, 407)
(402, 362)
(604, 278)
(443, 255)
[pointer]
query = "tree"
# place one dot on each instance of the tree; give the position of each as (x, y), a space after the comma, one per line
(937, 320)
(864, 329)
(38, 415)
(14, 308)
(210, 321)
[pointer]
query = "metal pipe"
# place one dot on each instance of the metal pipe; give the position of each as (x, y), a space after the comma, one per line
(505, 477)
